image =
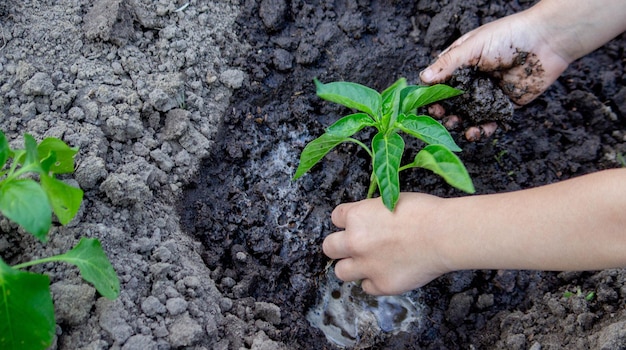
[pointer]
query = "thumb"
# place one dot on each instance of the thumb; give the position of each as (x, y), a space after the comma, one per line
(448, 61)
(442, 69)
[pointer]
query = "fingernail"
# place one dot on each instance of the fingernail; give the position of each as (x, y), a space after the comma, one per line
(427, 75)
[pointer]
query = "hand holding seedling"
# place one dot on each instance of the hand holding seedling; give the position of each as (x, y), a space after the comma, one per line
(389, 252)
(576, 224)
(528, 51)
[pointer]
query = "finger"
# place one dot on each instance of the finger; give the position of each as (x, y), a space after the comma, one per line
(439, 71)
(489, 128)
(338, 216)
(463, 38)
(347, 270)
(447, 62)
(334, 246)
(436, 111)
(472, 134)
(451, 122)
(475, 133)
(370, 288)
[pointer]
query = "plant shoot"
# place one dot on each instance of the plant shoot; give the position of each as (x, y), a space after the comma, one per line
(390, 112)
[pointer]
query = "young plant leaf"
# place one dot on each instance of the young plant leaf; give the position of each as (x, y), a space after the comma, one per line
(391, 103)
(398, 85)
(5, 151)
(63, 155)
(426, 129)
(315, 150)
(25, 202)
(351, 95)
(65, 199)
(350, 125)
(94, 266)
(419, 96)
(26, 310)
(32, 157)
(443, 162)
(388, 149)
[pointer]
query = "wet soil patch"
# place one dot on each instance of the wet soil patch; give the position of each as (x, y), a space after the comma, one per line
(262, 232)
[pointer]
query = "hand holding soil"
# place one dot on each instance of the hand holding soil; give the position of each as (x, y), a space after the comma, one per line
(526, 52)
(513, 49)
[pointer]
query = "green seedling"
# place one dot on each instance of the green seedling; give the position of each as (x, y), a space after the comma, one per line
(498, 157)
(26, 308)
(579, 293)
(390, 112)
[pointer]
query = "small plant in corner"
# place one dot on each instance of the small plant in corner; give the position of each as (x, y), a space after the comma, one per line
(26, 309)
(390, 112)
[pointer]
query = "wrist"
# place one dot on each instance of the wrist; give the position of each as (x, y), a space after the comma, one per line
(573, 29)
(474, 237)
(451, 246)
(552, 31)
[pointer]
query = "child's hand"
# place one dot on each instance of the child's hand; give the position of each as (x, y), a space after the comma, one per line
(390, 252)
(514, 49)
(543, 228)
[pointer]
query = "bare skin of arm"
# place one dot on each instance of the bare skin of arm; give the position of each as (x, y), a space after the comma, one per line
(528, 51)
(576, 224)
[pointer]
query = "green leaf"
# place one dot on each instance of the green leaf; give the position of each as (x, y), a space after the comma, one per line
(63, 155)
(26, 310)
(94, 266)
(32, 158)
(25, 202)
(351, 95)
(65, 199)
(390, 96)
(5, 151)
(315, 150)
(19, 155)
(391, 103)
(443, 162)
(48, 162)
(427, 129)
(350, 125)
(388, 149)
(398, 85)
(418, 96)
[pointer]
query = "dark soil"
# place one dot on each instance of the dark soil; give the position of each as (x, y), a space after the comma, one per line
(244, 201)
